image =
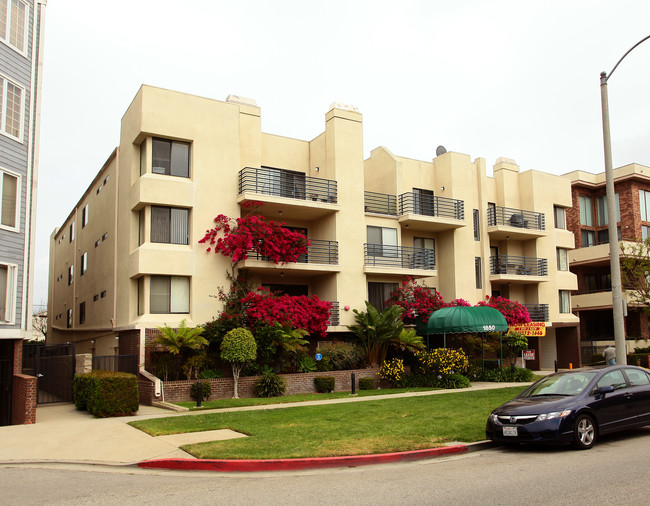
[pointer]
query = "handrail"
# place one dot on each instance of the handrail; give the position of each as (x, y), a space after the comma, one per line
(286, 183)
(519, 218)
(404, 257)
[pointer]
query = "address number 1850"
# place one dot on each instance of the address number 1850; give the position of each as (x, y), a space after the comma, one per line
(489, 328)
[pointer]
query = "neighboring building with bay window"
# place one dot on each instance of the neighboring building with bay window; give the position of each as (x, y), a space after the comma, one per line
(20, 83)
(183, 160)
(588, 220)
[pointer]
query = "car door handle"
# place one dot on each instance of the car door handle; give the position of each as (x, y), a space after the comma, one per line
(629, 396)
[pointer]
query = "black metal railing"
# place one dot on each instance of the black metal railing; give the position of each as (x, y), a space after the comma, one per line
(522, 266)
(430, 205)
(334, 314)
(286, 183)
(116, 363)
(380, 203)
(399, 256)
(518, 218)
(318, 252)
(538, 312)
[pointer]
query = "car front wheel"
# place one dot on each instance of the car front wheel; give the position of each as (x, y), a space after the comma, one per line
(584, 432)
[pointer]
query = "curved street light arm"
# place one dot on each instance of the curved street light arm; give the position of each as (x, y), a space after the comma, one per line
(605, 76)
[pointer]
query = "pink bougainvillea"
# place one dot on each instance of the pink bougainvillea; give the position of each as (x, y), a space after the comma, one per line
(417, 301)
(254, 233)
(513, 311)
(299, 311)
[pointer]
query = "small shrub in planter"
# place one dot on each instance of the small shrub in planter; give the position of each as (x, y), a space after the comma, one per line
(366, 383)
(324, 384)
(270, 385)
(206, 390)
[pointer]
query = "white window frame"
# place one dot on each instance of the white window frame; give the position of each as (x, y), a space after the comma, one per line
(562, 259)
(84, 216)
(7, 38)
(178, 295)
(18, 195)
(564, 302)
(84, 264)
(8, 316)
(3, 99)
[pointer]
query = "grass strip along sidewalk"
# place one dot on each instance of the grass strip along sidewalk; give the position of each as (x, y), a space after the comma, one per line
(357, 428)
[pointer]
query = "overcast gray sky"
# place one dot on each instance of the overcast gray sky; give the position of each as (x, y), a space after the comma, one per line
(487, 78)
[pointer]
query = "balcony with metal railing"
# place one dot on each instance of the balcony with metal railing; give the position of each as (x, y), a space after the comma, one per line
(382, 258)
(429, 212)
(380, 203)
(515, 223)
(538, 312)
(294, 193)
(322, 257)
(518, 269)
(334, 315)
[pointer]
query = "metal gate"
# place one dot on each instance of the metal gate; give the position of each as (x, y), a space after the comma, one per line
(54, 367)
(6, 375)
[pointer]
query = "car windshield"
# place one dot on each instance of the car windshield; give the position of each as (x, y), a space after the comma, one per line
(561, 384)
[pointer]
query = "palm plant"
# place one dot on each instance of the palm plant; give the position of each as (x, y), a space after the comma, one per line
(377, 331)
(177, 341)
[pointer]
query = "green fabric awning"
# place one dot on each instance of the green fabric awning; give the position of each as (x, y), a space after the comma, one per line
(466, 320)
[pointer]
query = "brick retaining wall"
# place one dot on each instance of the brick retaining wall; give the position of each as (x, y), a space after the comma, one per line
(223, 388)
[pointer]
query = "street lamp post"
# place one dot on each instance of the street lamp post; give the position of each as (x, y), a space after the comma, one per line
(614, 257)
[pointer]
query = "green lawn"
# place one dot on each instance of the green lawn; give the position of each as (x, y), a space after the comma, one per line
(257, 401)
(380, 426)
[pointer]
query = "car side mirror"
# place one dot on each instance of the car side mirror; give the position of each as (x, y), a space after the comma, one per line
(606, 390)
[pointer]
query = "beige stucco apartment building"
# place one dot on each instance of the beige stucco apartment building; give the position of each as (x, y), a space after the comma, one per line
(127, 258)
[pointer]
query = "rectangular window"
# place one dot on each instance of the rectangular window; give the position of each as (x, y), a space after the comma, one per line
(11, 108)
(82, 313)
(84, 263)
(644, 204)
(141, 224)
(560, 217)
(382, 241)
(645, 232)
(565, 302)
(7, 292)
(169, 225)
(68, 321)
(13, 23)
(424, 255)
(477, 230)
(141, 296)
(170, 294)
(9, 189)
(70, 274)
(601, 204)
(143, 157)
(103, 294)
(72, 231)
(562, 259)
(586, 210)
(588, 238)
(84, 216)
(171, 158)
(477, 272)
(380, 293)
(95, 297)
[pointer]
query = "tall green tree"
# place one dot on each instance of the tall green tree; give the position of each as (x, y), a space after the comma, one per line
(635, 272)
(378, 331)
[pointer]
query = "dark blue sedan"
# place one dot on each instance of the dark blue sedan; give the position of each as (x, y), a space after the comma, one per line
(576, 406)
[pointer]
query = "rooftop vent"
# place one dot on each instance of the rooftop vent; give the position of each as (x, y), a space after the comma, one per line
(236, 99)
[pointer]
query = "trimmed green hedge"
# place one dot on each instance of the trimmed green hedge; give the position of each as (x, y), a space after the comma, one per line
(324, 384)
(105, 393)
(366, 383)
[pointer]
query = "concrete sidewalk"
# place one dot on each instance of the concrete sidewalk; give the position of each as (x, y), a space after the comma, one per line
(62, 434)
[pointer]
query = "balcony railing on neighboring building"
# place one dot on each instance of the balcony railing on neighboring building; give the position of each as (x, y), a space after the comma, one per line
(522, 266)
(405, 257)
(380, 203)
(286, 183)
(538, 312)
(516, 218)
(318, 252)
(430, 205)
(334, 314)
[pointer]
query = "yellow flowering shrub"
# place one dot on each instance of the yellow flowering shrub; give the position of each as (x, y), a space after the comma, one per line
(392, 370)
(442, 361)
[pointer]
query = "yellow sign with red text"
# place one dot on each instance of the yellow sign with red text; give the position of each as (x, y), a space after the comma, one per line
(532, 329)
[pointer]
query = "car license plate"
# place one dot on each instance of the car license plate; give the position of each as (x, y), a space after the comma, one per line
(510, 431)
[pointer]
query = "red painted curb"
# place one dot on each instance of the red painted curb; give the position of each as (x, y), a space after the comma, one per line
(297, 464)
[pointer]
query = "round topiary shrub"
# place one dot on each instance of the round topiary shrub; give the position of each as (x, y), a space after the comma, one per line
(270, 385)
(366, 383)
(324, 384)
(206, 390)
